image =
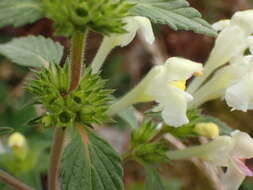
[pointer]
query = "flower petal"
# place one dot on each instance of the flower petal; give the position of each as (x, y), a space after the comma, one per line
(244, 20)
(210, 152)
(231, 42)
(233, 178)
(250, 44)
(213, 150)
(175, 107)
(145, 28)
(180, 69)
(239, 96)
(214, 88)
(242, 167)
(131, 27)
(221, 25)
(133, 24)
(222, 79)
(243, 147)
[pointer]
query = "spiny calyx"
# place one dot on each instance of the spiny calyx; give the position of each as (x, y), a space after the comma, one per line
(87, 104)
(104, 16)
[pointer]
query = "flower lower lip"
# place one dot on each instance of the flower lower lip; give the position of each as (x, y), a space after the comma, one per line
(243, 168)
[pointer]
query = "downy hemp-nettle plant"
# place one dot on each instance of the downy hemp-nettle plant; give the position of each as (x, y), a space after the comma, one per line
(74, 103)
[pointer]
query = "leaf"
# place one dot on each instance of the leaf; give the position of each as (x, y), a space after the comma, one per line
(176, 13)
(32, 51)
(5, 131)
(20, 12)
(154, 181)
(90, 163)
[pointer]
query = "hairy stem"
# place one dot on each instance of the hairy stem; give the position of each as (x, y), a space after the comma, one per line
(77, 54)
(12, 181)
(55, 157)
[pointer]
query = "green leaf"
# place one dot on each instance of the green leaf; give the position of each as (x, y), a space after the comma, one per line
(90, 163)
(5, 131)
(32, 51)
(154, 181)
(176, 13)
(20, 12)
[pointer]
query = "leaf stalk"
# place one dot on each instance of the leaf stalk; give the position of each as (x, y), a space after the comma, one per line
(12, 181)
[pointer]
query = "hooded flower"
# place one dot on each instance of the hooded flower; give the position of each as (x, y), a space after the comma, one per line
(234, 38)
(224, 151)
(133, 25)
(164, 84)
(233, 82)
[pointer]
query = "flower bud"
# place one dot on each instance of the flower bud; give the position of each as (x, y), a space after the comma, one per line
(210, 130)
(17, 142)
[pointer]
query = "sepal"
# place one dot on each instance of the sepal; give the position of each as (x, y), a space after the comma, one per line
(87, 104)
(104, 16)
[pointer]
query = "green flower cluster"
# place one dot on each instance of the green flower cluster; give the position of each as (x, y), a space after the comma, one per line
(104, 16)
(86, 105)
(143, 149)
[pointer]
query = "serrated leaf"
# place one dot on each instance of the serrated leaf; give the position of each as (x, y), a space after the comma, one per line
(32, 51)
(90, 163)
(176, 13)
(19, 12)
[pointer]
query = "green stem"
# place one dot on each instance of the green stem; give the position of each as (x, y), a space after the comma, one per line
(105, 48)
(12, 181)
(77, 55)
(55, 157)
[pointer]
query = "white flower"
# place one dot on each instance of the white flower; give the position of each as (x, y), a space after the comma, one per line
(233, 82)
(164, 84)
(133, 25)
(237, 148)
(224, 151)
(231, 42)
(239, 96)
